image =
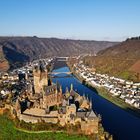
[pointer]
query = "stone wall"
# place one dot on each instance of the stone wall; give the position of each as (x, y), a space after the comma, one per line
(36, 119)
(90, 126)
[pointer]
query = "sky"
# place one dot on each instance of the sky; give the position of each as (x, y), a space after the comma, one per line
(113, 20)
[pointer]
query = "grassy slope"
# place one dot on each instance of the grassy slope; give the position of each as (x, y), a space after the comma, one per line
(9, 132)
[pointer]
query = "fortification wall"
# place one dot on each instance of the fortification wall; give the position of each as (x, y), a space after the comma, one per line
(36, 119)
(90, 126)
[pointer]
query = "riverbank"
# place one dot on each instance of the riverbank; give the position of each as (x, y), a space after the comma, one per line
(105, 94)
(115, 100)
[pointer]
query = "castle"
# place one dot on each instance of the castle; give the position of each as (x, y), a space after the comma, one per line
(51, 93)
(47, 103)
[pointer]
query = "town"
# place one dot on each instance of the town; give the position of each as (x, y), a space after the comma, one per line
(32, 97)
(128, 91)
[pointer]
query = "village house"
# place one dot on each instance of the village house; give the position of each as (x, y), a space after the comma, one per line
(126, 90)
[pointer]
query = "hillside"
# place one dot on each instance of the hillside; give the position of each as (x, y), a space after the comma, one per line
(119, 60)
(4, 65)
(18, 50)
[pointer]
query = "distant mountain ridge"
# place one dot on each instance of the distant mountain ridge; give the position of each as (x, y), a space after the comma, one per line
(18, 50)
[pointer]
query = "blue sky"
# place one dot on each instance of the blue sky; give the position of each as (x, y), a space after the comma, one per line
(76, 19)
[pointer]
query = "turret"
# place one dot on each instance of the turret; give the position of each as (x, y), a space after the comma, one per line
(67, 90)
(56, 91)
(90, 104)
(71, 87)
(84, 97)
(36, 74)
(60, 89)
(88, 99)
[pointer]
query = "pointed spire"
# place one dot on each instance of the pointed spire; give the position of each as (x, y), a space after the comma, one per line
(91, 104)
(84, 96)
(71, 87)
(57, 84)
(61, 89)
(88, 99)
(56, 91)
(67, 90)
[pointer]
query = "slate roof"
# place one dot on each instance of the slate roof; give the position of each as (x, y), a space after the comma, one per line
(81, 114)
(50, 89)
(91, 115)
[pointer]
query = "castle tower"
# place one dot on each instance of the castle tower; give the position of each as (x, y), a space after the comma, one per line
(40, 79)
(44, 78)
(36, 74)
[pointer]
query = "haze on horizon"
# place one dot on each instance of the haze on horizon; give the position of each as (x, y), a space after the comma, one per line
(75, 19)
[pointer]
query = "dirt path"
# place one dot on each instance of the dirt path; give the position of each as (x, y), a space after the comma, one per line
(36, 132)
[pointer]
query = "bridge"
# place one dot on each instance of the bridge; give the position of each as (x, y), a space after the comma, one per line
(66, 76)
(62, 58)
(55, 73)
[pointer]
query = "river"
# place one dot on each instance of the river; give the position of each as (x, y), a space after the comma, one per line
(121, 124)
